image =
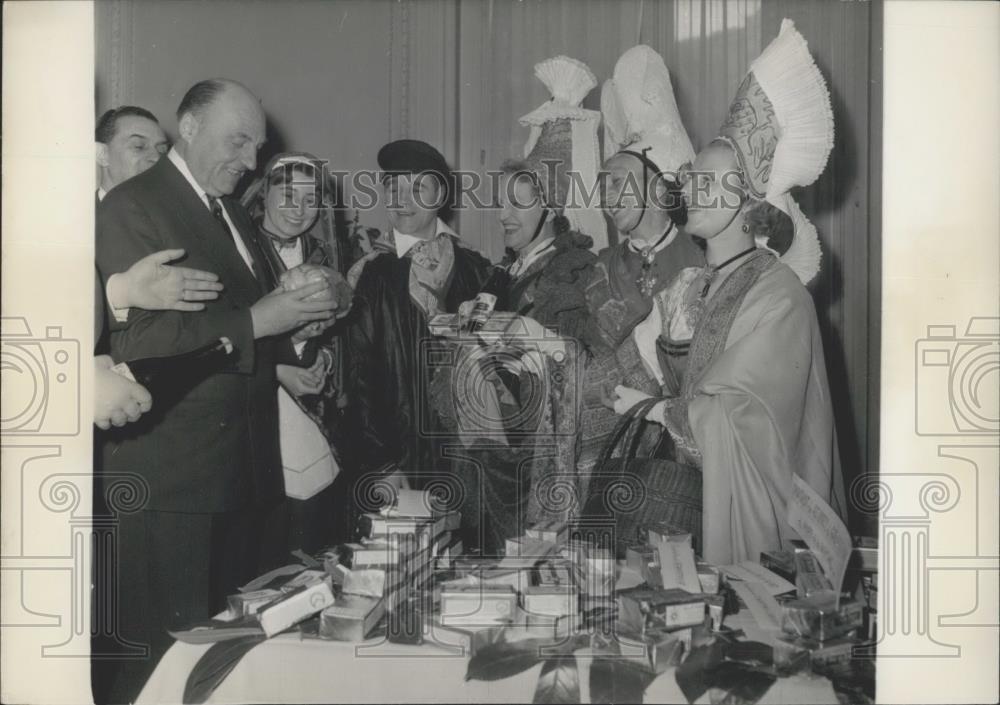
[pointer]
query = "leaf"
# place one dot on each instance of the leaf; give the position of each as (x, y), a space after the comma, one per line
(503, 659)
(559, 681)
(618, 681)
(694, 673)
(743, 684)
(214, 665)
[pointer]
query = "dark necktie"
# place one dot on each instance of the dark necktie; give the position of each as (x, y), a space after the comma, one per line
(215, 205)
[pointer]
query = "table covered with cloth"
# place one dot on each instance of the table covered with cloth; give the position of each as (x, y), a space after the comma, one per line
(291, 668)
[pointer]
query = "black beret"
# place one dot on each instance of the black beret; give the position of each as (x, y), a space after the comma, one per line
(412, 157)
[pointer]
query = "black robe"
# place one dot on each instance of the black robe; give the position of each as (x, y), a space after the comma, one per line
(390, 361)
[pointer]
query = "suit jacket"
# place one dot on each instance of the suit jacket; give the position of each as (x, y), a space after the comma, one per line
(216, 448)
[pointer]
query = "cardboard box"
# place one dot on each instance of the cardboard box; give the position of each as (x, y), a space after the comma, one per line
(716, 606)
(809, 577)
(781, 563)
(547, 626)
(466, 640)
(551, 531)
(478, 604)
(553, 572)
(658, 650)
(821, 653)
(554, 601)
(528, 547)
(669, 609)
(820, 620)
(663, 532)
(351, 618)
(708, 577)
(644, 559)
(243, 604)
(295, 606)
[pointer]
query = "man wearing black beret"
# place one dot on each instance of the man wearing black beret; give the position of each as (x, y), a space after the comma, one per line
(418, 268)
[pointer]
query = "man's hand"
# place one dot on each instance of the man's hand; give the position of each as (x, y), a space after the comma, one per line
(299, 381)
(153, 285)
(282, 311)
(117, 400)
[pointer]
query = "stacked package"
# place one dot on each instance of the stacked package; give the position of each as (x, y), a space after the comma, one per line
(539, 588)
(680, 594)
(816, 619)
(398, 555)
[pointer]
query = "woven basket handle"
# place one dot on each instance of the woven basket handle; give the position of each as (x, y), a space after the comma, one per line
(629, 426)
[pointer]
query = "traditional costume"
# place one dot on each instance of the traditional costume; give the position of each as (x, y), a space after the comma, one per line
(309, 425)
(750, 402)
(640, 119)
(548, 280)
(528, 404)
(399, 286)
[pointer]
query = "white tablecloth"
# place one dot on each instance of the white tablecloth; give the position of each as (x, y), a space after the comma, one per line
(291, 669)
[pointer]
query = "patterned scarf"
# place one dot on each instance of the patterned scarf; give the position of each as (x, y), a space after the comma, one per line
(431, 265)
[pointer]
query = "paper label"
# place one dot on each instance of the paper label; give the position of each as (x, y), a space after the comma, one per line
(763, 607)
(752, 572)
(821, 529)
(677, 566)
(412, 503)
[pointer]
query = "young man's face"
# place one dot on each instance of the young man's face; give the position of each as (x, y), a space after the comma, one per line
(137, 145)
(412, 201)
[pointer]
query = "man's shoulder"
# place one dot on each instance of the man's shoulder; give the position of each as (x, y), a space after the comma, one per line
(469, 254)
(141, 188)
(373, 270)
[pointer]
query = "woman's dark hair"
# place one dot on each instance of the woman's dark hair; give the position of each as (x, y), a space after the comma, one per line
(769, 223)
(673, 201)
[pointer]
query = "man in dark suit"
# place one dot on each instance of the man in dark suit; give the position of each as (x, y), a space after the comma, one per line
(208, 464)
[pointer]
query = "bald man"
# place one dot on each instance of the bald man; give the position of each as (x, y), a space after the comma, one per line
(208, 464)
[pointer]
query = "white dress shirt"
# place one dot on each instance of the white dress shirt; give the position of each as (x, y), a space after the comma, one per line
(292, 255)
(174, 156)
(522, 263)
(404, 243)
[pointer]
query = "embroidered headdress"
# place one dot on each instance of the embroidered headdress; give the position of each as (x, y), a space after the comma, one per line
(563, 139)
(780, 124)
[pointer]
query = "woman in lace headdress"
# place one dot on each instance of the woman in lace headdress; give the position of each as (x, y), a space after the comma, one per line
(736, 344)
